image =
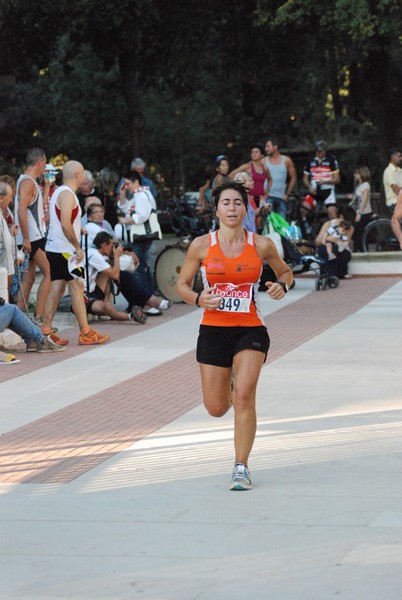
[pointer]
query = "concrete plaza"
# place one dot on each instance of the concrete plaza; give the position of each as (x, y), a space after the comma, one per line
(114, 481)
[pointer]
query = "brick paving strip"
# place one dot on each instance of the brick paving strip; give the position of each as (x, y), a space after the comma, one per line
(63, 445)
(116, 329)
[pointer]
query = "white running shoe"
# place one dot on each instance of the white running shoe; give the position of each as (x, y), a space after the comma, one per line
(241, 479)
(165, 304)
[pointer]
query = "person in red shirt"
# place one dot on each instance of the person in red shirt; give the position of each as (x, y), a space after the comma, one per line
(259, 172)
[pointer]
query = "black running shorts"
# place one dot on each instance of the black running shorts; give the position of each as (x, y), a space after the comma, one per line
(97, 294)
(58, 266)
(218, 345)
(35, 246)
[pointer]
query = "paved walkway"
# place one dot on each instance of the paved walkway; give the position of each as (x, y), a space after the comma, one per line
(114, 480)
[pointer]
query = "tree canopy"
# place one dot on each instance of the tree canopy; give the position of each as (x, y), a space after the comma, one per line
(179, 81)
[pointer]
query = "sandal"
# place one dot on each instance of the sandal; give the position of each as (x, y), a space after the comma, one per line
(138, 315)
(8, 359)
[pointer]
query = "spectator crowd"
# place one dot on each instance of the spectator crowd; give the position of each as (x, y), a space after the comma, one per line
(94, 237)
(95, 234)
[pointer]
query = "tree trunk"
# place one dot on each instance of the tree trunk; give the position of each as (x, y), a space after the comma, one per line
(130, 89)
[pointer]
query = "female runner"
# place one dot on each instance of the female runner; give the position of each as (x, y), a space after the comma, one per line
(232, 331)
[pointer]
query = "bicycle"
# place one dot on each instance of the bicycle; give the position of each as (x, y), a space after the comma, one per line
(379, 237)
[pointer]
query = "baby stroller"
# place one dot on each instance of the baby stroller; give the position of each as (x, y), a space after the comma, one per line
(296, 252)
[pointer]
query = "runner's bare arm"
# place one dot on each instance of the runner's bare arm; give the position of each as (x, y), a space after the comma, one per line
(245, 167)
(195, 255)
(26, 194)
(66, 203)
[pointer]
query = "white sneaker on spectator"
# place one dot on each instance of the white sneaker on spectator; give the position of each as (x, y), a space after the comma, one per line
(153, 312)
(165, 304)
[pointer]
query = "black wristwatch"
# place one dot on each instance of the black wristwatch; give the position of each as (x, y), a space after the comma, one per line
(284, 285)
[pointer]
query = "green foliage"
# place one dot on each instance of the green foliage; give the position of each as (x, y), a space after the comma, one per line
(179, 81)
(83, 116)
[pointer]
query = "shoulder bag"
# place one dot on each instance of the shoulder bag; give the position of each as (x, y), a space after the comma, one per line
(150, 230)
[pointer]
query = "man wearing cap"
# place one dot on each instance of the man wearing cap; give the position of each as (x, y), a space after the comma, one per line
(320, 175)
(392, 177)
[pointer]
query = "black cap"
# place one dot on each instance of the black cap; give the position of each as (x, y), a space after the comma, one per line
(320, 145)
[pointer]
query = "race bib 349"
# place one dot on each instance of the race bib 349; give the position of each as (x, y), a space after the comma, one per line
(235, 298)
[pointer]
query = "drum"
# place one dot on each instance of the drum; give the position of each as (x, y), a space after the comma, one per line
(167, 270)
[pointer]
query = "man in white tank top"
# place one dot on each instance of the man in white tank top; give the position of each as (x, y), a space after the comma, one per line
(29, 215)
(63, 243)
(283, 175)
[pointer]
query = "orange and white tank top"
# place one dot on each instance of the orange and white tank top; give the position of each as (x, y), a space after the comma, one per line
(56, 240)
(236, 280)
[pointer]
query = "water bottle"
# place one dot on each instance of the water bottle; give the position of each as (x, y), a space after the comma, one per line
(295, 231)
(25, 263)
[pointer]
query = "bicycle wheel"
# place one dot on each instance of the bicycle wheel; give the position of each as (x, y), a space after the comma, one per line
(379, 237)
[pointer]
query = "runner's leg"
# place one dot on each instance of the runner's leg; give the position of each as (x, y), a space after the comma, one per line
(247, 367)
(216, 389)
(56, 293)
(44, 287)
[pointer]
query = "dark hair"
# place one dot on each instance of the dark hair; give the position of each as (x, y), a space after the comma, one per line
(347, 212)
(260, 147)
(230, 185)
(209, 172)
(345, 224)
(273, 139)
(134, 176)
(393, 151)
(103, 237)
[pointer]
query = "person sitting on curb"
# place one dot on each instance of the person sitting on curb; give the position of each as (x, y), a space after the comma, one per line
(100, 274)
(13, 318)
(337, 235)
(133, 288)
(338, 267)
